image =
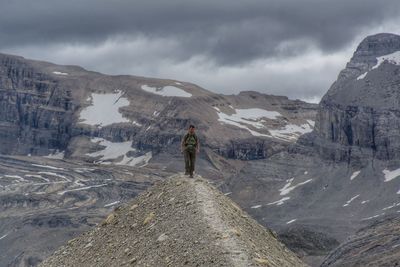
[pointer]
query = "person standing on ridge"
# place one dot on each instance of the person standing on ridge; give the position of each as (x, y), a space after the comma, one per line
(189, 147)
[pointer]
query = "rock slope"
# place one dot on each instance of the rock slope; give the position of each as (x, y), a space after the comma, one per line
(375, 245)
(178, 222)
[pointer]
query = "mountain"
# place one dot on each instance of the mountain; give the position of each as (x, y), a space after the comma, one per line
(52, 108)
(360, 112)
(76, 143)
(345, 173)
(178, 222)
(315, 187)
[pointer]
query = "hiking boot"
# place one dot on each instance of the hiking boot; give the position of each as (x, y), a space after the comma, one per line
(191, 176)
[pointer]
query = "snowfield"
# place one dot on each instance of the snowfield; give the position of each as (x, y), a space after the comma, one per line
(115, 150)
(166, 91)
(60, 73)
(104, 110)
(253, 118)
(390, 175)
(393, 58)
(350, 200)
(288, 187)
(354, 175)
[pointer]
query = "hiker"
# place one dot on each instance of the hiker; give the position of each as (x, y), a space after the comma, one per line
(189, 147)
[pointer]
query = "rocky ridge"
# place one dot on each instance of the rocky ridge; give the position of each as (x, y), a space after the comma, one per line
(360, 112)
(375, 245)
(178, 222)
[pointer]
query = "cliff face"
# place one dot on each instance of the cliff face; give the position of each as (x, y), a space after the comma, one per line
(361, 109)
(46, 107)
(179, 222)
(35, 111)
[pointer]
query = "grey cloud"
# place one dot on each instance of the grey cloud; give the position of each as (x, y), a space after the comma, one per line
(225, 46)
(228, 32)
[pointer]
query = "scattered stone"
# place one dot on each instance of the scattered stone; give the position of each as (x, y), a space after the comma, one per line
(110, 219)
(149, 218)
(134, 206)
(261, 261)
(162, 237)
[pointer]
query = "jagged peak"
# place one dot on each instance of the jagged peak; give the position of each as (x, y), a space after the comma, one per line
(378, 45)
(177, 222)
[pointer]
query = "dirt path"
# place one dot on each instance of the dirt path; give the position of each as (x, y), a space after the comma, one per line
(228, 241)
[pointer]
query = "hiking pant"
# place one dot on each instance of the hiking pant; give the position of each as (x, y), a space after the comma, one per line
(190, 159)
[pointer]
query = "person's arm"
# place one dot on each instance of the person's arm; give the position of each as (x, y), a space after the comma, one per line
(198, 146)
(183, 143)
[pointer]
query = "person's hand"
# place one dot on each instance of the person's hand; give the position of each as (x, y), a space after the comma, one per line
(198, 150)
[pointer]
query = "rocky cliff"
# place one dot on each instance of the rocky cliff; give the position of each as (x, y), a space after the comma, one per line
(360, 112)
(47, 108)
(179, 222)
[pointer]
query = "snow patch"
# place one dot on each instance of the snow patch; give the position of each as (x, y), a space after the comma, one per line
(252, 118)
(311, 122)
(56, 175)
(166, 91)
(243, 118)
(36, 176)
(280, 201)
(47, 167)
(256, 206)
(364, 201)
(83, 170)
(291, 221)
(56, 155)
(372, 217)
(112, 204)
(288, 187)
(291, 131)
(393, 58)
(354, 175)
(105, 110)
(113, 151)
(3, 236)
(140, 161)
(60, 73)
(392, 206)
(81, 188)
(350, 200)
(390, 175)
(362, 76)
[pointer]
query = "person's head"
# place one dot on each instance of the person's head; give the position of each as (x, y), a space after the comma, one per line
(191, 128)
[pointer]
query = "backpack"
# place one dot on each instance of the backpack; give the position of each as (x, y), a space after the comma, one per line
(190, 140)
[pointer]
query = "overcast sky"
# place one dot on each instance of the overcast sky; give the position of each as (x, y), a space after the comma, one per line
(284, 47)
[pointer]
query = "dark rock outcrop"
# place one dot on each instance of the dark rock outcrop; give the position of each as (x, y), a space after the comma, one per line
(375, 245)
(361, 109)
